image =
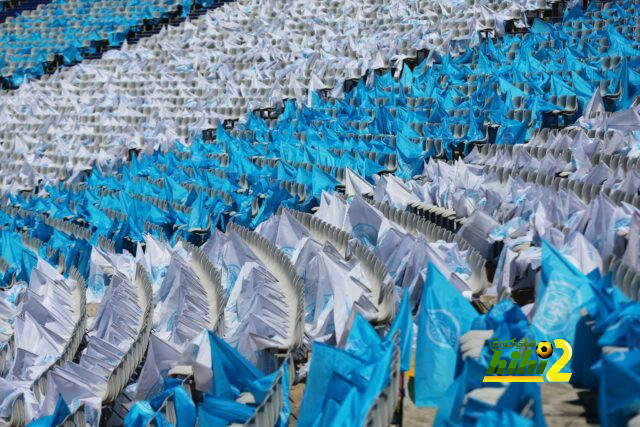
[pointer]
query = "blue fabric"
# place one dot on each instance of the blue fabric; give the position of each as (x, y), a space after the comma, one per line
(403, 325)
(449, 407)
(220, 412)
(21, 259)
(559, 314)
(329, 375)
(343, 384)
(143, 412)
(508, 322)
(285, 412)
(622, 327)
(59, 414)
(618, 387)
(452, 412)
(444, 315)
(234, 373)
(519, 395)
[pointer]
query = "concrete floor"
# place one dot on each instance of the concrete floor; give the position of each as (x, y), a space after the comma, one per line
(564, 405)
(416, 417)
(295, 395)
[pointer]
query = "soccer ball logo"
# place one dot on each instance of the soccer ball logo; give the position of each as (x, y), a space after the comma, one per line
(544, 349)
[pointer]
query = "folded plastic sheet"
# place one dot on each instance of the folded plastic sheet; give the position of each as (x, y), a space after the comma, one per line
(162, 355)
(119, 307)
(155, 259)
(632, 252)
(10, 302)
(403, 326)
(619, 386)
(477, 231)
(181, 309)
(102, 267)
(47, 317)
(355, 184)
(581, 253)
(393, 191)
(109, 338)
(405, 255)
(50, 313)
(256, 312)
(328, 303)
(9, 392)
(17, 255)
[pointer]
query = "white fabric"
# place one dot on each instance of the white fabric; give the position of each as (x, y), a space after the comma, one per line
(333, 286)
(45, 324)
(257, 309)
(243, 55)
(405, 255)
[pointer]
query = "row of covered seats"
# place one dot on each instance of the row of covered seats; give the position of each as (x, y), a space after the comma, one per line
(543, 231)
(48, 322)
(112, 22)
(495, 92)
(437, 264)
(579, 180)
(172, 86)
(65, 31)
(441, 293)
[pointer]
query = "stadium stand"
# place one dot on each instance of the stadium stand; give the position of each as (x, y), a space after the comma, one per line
(257, 57)
(476, 102)
(467, 187)
(16, 7)
(63, 32)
